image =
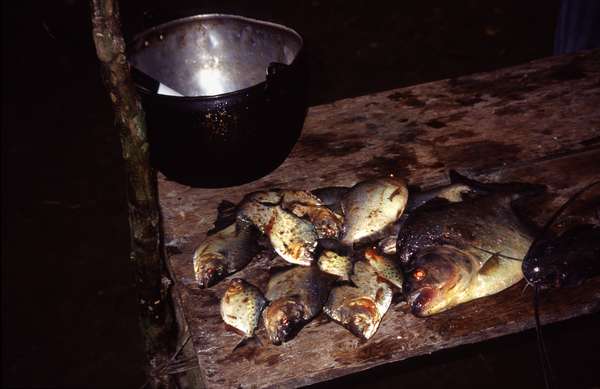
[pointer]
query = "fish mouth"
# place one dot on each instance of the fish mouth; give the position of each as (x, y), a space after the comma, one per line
(363, 317)
(209, 277)
(541, 276)
(283, 320)
(419, 300)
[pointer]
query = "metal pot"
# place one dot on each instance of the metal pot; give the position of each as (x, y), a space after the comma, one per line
(244, 86)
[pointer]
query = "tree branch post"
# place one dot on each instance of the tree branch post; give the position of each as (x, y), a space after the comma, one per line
(146, 250)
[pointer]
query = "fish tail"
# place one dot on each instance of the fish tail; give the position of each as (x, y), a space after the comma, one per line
(226, 215)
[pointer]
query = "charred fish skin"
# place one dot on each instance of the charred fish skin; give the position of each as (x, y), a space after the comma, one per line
(565, 260)
(223, 253)
(360, 309)
(453, 193)
(370, 207)
(241, 306)
(293, 238)
(296, 296)
(461, 251)
(474, 223)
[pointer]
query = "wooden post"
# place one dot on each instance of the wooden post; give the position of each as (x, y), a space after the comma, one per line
(146, 249)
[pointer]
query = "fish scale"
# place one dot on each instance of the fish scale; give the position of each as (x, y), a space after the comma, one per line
(370, 207)
(360, 309)
(296, 296)
(293, 238)
(242, 305)
(224, 253)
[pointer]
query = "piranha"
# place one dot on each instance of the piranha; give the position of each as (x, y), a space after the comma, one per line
(385, 267)
(296, 296)
(566, 260)
(327, 223)
(456, 252)
(360, 308)
(370, 207)
(241, 306)
(224, 252)
(292, 237)
(460, 188)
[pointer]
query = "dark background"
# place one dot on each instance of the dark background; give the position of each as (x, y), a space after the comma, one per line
(68, 301)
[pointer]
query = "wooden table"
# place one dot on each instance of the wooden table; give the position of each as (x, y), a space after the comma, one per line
(538, 122)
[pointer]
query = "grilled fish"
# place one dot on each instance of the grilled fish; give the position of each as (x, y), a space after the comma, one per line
(361, 308)
(386, 267)
(370, 207)
(458, 252)
(241, 306)
(293, 238)
(327, 223)
(224, 253)
(296, 296)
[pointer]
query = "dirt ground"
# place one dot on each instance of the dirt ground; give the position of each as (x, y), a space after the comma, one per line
(68, 303)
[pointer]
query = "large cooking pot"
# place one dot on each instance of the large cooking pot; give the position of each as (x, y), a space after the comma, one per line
(243, 83)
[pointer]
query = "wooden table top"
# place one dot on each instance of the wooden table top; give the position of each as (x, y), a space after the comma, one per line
(538, 122)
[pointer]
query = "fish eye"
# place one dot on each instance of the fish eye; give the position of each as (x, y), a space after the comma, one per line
(536, 269)
(419, 274)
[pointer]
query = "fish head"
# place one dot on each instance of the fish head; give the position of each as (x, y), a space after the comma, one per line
(236, 287)
(361, 317)
(437, 276)
(282, 319)
(546, 273)
(566, 260)
(209, 271)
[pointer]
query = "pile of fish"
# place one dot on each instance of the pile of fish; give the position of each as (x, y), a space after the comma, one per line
(355, 248)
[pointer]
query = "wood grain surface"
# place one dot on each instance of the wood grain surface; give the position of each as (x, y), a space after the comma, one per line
(538, 122)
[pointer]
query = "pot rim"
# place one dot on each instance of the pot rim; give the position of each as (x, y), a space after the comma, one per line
(157, 28)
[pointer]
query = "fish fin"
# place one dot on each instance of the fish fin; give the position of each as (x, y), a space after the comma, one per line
(226, 215)
(521, 188)
(247, 342)
(490, 265)
(520, 208)
(330, 194)
(331, 245)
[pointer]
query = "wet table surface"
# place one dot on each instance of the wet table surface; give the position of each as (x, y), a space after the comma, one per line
(538, 122)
